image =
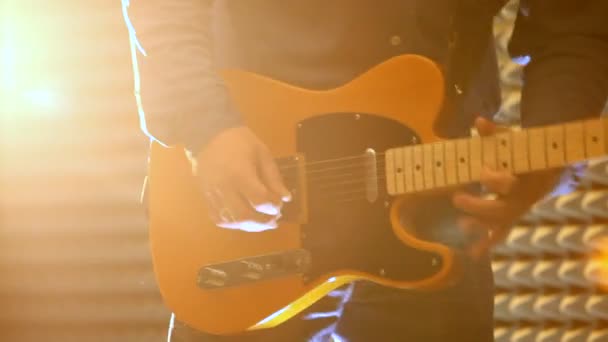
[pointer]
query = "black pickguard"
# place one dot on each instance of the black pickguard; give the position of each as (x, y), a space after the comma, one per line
(344, 230)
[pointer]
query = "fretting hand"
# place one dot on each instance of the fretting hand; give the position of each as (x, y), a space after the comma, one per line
(514, 195)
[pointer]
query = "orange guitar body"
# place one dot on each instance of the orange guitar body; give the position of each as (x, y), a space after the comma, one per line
(406, 91)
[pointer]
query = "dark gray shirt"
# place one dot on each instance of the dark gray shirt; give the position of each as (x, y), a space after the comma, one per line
(320, 44)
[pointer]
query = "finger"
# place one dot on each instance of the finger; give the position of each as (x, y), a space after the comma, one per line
(239, 210)
(212, 197)
(484, 126)
(484, 245)
(250, 226)
(476, 206)
(271, 176)
(498, 182)
(256, 193)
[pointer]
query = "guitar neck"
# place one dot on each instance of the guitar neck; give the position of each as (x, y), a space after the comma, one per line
(457, 162)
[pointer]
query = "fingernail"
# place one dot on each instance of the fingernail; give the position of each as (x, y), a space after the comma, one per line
(268, 209)
(286, 197)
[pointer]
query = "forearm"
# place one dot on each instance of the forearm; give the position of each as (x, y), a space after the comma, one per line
(183, 100)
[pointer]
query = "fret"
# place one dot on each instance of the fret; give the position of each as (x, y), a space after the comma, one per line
(389, 162)
(521, 156)
(536, 148)
(418, 178)
(439, 164)
(488, 150)
(427, 167)
(475, 157)
(555, 146)
(462, 158)
(504, 152)
(595, 145)
(451, 175)
(408, 162)
(575, 143)
(399, 174)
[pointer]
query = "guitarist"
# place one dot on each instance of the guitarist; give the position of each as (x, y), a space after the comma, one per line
(321, 44)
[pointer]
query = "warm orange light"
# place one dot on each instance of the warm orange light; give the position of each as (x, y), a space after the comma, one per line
(8, 53)
(22, 87)
(601, 259)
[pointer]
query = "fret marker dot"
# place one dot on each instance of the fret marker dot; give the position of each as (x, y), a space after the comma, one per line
(554, 145)
(438, 164)
(399, 170)
(417, 167)
(505, 165)
(594, 139)
(462, 160)
(503, 142)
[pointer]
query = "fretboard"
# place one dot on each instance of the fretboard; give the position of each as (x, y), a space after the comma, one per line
(457, 162)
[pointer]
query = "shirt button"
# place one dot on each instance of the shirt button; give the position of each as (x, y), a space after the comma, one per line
(395, 40)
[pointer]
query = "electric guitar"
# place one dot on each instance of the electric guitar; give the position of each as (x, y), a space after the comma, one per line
(350, 156)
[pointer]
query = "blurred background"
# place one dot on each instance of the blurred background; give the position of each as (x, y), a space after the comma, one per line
(74, 259)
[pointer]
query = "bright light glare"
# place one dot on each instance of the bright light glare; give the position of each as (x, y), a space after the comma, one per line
(7, 66)
(40, 98)
(21, 91)
(8, 54)
(271, 317)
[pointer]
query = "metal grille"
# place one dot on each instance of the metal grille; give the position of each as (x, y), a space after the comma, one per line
(549, 273)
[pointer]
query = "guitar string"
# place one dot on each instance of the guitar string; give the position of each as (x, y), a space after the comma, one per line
(380, 169)
(360, 187)
(361, 179)
(362, 160)
(359, 158)
(331, 160)
(327, 172)
(324, 174)
(333, 179)
(296, 164)
(498, 138)
(357, 163)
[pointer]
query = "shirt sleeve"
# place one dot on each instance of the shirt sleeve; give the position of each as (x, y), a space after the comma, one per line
(180, 95)
(566, 42)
